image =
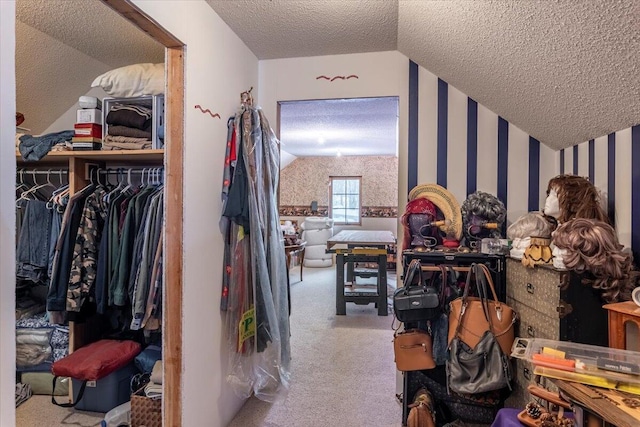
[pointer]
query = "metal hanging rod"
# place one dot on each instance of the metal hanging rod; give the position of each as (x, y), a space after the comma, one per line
(124, 171)
(41, 172)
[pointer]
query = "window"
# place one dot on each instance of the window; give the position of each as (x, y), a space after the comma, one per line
(344, 199)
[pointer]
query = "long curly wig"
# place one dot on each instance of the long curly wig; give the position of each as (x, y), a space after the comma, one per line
(478, 207)
(592, 246)
(578, 198)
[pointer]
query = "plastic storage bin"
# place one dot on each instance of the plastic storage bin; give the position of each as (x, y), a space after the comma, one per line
(120, 415)
(106, 393)
(588, 364)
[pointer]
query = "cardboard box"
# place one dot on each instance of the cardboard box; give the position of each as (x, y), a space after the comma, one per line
(92, 115)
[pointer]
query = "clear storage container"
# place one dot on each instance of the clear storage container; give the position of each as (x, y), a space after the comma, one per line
(588, 364)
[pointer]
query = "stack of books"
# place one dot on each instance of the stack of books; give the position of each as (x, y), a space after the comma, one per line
(88, 128)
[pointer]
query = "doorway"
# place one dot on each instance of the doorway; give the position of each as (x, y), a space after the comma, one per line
(173, 212)
(327, 144)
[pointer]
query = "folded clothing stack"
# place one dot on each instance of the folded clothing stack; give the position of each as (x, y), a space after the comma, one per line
(129, 128)
(153, 390)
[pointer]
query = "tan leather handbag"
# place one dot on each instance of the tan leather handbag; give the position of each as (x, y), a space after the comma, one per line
(413, 350)
(481, 314)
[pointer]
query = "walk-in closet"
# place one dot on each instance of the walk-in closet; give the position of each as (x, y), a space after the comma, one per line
(90, 215)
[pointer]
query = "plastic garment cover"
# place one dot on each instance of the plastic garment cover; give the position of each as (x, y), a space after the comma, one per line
(256, 300)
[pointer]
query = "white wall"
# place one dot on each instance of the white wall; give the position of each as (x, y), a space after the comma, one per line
(7, 212)
(379, 74)
(218, 67)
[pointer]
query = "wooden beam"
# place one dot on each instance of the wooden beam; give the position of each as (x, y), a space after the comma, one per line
(172, 330)
(144, 22)
(174, 167)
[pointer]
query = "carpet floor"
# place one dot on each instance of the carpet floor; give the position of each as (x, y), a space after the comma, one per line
(38, 411)
(342, 368)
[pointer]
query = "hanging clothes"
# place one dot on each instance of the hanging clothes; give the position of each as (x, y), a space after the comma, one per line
(255, 285)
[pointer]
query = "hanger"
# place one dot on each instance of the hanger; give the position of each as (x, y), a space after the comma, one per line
(246, 99)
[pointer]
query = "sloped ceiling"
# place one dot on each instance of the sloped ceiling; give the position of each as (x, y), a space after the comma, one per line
(62, 45)
(562, 71)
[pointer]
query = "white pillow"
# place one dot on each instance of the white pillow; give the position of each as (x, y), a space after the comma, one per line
(132, 80)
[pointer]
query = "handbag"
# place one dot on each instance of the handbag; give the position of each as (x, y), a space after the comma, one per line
(479, 369)
(471, 317)
(414, 301)
(412, 350)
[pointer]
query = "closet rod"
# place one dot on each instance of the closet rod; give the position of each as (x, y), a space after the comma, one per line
(41, 172)
(125, 171)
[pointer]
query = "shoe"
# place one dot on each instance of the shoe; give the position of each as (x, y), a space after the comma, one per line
(422, 412)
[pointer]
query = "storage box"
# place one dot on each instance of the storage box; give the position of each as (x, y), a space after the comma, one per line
(89, 115)
(145, 411)
(155, 102)
(106, 393)
(90, 130)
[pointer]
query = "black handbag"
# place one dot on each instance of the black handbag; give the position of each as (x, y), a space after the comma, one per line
(415, 301)
(482, 368)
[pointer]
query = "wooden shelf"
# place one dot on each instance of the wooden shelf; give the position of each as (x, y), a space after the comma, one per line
(154, 157)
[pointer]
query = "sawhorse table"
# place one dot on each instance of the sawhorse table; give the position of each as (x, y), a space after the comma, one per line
(351, 246)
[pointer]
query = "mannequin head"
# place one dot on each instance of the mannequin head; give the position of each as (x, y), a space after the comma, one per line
(592, 246)
(576, 197)
(478, 209)
(418, 215)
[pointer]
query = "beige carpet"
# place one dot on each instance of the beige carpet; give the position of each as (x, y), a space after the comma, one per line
(342, 369)
(38, 411)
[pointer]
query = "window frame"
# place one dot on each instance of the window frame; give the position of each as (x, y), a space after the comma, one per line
(345, 178)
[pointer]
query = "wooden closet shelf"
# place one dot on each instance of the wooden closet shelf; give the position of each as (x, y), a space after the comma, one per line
(59, 157)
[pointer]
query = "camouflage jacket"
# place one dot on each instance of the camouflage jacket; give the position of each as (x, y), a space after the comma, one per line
(85, 252)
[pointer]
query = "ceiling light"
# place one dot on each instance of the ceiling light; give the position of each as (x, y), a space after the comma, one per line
(338, 154)
(321, 140)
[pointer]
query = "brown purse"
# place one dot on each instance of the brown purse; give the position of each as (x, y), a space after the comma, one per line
(481, 314)
(413, 350)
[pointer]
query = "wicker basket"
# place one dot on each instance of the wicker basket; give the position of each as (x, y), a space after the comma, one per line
(145, 412)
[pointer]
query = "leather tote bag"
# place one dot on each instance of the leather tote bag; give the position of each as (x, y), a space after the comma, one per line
(413, 350)
(471, 317)
(479, 369)
(415, 302)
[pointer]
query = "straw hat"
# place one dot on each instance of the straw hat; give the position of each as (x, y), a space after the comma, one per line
(446, 202)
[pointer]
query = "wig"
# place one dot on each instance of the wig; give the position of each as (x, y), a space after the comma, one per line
(578, 198)
(534, 224)
(420, 212)
(592, 246)
(480, 208)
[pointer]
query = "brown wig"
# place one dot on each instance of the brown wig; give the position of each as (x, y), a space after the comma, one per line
(592, 246)
(578, 198)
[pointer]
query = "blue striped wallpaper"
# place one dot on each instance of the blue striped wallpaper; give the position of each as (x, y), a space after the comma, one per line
(465, 147)
(534, 174)
(443, 113)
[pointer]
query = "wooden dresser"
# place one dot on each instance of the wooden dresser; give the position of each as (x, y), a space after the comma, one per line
(551, 304)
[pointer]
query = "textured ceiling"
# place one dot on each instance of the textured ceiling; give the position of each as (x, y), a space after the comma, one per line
(364, 126)
(62, 45)
(293, 28)
(562, 71)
